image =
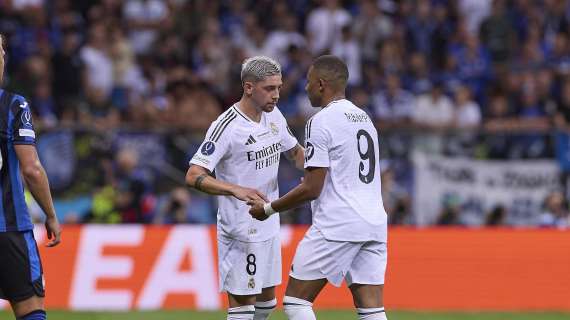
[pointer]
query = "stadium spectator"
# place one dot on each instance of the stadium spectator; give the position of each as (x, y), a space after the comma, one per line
(324, 24)
(133, 199)
(555, 213)
(169, 66)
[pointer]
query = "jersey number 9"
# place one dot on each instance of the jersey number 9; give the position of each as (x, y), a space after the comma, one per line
(367, 156)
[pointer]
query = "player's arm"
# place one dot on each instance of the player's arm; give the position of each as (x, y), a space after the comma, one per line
(309, 189)
(296, 155)
(37, 182)
(199, 178)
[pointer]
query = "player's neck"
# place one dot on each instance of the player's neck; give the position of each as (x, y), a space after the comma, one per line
(333, 97)
(246, 106)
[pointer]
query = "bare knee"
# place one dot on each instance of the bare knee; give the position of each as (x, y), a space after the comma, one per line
(266, 294)
(303, 289)
(24, 307)
(367, 296)
(238, 301)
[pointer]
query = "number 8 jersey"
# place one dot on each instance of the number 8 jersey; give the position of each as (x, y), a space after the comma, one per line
(342, 138)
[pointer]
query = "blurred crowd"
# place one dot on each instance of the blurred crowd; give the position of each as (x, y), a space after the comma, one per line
(482, 78)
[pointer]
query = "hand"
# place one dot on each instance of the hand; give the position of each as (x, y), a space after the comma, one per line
(256, 211)
(247, 194)
(53, 231)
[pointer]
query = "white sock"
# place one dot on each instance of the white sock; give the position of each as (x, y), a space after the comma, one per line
(241, 313)
(298, 309)
(264, 308)
(371, 314)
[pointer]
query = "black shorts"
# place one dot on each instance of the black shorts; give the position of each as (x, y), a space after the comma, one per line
(21, 274)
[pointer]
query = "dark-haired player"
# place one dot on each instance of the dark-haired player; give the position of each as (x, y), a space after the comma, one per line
(21, 277)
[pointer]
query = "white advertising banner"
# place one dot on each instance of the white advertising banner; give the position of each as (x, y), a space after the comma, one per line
(478, 186)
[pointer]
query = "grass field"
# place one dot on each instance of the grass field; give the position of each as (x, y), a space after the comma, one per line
(328, 315)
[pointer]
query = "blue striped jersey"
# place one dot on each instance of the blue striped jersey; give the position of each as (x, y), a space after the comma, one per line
(16, 127)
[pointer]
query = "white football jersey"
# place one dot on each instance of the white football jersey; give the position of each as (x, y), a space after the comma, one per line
(342, 138)
(245, 153)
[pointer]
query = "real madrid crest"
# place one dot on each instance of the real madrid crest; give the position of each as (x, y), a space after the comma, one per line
(274, 128)
(251, 283)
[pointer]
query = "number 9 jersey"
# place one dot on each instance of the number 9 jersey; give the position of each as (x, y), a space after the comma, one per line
(342, 138)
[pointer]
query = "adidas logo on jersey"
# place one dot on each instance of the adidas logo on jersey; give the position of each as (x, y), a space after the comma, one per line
(250, 140)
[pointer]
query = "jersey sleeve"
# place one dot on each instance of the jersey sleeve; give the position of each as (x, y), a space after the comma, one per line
(288, 140)
(317, 144)
(22, 123)
(211, 150)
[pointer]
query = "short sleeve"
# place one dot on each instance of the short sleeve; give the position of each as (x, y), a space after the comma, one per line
(22, 123)
(288, 140)
(213, 148)
(317, 144)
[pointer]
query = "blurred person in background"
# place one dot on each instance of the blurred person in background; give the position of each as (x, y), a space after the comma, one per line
(562, 113)
(532, 118)
(145, 19)
(396, 199)
(133, 199)
(244, 146)
(496, 217)
(21, 278)
(371, 28)
(67, 78)
(450, 212)
(420, 28)
(347, 48)
(284, 37)
(497, 33)
(499, 124)
(393, 109)
(466, 119)
(324, 24)
(176, 208)
(418, 78)
(434, 112)
(98, 73)
(555, 211)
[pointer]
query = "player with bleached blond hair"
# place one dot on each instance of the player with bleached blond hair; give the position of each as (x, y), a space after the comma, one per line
(243, 146)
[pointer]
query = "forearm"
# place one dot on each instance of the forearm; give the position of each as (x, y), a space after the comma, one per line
(294, 198)
(211, 185)
(300, 159)
(297, 156)
(38, 185)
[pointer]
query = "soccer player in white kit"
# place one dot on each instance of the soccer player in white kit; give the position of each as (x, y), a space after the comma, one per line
(244, 146)
(347, 240)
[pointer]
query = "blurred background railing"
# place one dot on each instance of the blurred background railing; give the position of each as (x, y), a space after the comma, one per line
(469, 177)
(122, 92)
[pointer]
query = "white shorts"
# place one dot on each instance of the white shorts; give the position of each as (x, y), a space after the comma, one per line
(247, 267)
(357, 262)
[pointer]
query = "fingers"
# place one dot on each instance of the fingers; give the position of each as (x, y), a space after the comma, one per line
(56, 240)
(262, 196)
(54, 236)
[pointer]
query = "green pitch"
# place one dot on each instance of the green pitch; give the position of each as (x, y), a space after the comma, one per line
(328, 315)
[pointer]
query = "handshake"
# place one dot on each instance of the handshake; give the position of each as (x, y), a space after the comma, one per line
(257, 209)
(260, 206)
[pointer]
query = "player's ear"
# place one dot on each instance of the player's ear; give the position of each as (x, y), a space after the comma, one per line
(248, 88)
(321, 85)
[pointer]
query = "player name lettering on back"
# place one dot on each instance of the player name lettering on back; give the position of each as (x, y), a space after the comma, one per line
(357, 117)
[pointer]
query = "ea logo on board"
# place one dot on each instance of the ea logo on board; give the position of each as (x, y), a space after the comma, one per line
(309, 151)
(208, 148)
